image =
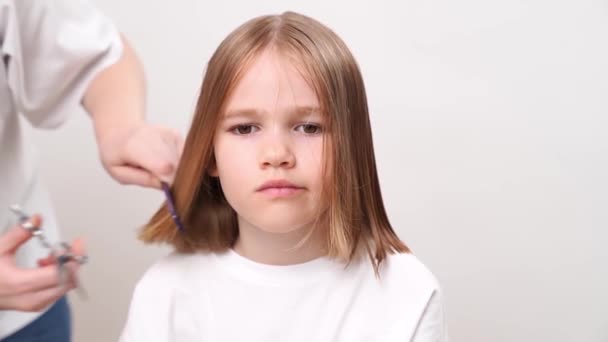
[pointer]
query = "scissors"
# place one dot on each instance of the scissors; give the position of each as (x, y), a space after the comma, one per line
(62, 252)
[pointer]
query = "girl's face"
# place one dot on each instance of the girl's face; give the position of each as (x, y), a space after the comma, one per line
(269, 147)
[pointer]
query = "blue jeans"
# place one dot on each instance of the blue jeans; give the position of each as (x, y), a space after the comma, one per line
(53, 326)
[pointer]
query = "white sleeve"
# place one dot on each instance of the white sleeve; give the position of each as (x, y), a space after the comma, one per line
(148, 318)
(55, 48)
(432, 326)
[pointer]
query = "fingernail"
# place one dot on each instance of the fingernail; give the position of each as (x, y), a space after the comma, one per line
(30, 225)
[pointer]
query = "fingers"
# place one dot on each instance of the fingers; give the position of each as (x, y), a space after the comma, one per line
(136, 176)
(151, 156)
(152, 153)
(46, 276)
(37, 300)
(77, 248)
(35, 279)
(32, 289)
(17, 236)
(147, 156)
(155, 156)
(50, 260)
(179, 142)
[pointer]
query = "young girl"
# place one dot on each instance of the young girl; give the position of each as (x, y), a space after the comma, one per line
(285, 236)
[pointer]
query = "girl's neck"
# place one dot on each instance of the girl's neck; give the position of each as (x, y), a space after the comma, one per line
(279, 248)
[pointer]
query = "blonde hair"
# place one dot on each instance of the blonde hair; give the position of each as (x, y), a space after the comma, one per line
(355, 216)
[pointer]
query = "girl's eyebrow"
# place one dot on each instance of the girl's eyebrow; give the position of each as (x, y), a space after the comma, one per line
(306, 110)
(252, 113)
(247, 113)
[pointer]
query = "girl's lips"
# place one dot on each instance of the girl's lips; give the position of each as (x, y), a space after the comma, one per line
(280, 192)
(278, 184)
(279, 188)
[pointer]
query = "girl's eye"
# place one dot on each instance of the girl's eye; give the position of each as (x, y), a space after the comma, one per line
(309, 128)
(243, 129)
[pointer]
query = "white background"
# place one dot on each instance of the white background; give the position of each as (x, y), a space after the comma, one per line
(489, 121)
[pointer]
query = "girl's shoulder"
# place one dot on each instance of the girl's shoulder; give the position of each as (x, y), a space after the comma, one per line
(173, 271)
(406, 267)
(168, 281)
(409, 291)
(404, 280)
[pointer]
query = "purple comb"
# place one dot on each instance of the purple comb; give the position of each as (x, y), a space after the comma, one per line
(171, 205)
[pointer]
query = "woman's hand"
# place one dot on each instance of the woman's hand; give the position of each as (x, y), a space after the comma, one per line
(32, 289)
(144, 155)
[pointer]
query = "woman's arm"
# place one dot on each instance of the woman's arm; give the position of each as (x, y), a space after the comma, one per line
(132, 151)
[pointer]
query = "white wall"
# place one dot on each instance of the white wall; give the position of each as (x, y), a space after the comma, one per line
(490, 123)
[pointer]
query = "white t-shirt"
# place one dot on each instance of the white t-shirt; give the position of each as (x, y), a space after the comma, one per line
(49, 53)
(226, 297)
